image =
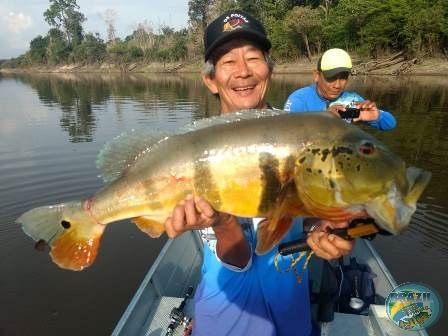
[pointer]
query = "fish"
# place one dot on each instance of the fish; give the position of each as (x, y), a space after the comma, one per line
(253, 163)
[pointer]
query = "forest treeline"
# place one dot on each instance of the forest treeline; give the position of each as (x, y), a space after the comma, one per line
(297, 29)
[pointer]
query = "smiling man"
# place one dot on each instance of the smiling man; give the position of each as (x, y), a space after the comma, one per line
(241, 293)
(237, 66)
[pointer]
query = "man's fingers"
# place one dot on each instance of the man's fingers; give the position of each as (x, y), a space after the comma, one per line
(204, 207)
(191, 213)
(178, 217)
(314, 242)
(329, 246)
(169, 228)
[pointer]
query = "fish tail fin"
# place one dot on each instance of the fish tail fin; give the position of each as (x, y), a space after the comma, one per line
(72, 234)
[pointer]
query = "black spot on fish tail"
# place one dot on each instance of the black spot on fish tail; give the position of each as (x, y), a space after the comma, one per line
(325, 153)
(315, 151)
(204, 183)
(302, 160)
(309, 170)
(358, 168)
(270, 178)
(65, 224)
(40, 245)
(339, 150)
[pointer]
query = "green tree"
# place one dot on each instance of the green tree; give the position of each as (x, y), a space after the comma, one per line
(426, 27)
(198, 13)
(92, 49)
(38, 49)
(57, 48)
(64, 15)
(304, 21)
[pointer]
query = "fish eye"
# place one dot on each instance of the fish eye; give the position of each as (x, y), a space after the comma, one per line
(367, 148)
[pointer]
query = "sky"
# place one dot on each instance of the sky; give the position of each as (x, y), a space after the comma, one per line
(22, 20)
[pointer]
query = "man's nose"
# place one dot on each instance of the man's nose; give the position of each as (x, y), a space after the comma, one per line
(338, 83)
(243, 69)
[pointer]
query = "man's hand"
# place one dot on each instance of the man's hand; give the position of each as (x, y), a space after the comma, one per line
(368, 111)
(329, 246)
(192, 213)
(335, 108)
(195, 213)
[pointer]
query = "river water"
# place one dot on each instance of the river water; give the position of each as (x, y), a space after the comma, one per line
(53, 126)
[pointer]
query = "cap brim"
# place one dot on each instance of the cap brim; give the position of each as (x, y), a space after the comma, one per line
(336, 71)
(251, 36)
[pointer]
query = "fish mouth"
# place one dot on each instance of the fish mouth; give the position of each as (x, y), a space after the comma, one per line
(393, 211)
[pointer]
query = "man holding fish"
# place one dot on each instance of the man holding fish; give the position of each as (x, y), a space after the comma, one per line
(241, 293)
(268, 167)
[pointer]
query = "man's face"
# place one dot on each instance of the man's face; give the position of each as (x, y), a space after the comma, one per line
(330, 88)
(241, 77)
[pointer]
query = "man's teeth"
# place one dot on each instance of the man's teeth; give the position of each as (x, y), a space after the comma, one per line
(243, 89)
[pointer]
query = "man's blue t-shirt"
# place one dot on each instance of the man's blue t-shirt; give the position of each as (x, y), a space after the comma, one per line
(308, 99)
(257, 300)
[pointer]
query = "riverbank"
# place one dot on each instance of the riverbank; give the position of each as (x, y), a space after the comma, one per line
(430, 66)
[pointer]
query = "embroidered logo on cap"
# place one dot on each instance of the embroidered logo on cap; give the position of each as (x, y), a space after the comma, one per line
(234, 21)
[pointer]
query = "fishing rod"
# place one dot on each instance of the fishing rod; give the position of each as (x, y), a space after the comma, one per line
(362, 227)
(177, 314)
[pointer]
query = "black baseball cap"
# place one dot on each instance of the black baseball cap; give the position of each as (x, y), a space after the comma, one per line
(234, 24)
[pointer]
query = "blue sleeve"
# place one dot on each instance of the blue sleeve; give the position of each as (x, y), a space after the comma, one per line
(386, 120)
(305, 99)
(295, 103)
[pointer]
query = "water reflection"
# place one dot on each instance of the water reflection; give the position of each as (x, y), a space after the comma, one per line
(81, 97)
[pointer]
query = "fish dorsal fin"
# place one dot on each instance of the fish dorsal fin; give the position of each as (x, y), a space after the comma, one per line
(229, 118)
(120, 153)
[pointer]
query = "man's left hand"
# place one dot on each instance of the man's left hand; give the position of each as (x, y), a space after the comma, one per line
(368, 111)
(329, 246)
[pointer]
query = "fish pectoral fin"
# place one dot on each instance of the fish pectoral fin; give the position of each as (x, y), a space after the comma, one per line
(288, 201)
(270, 232)
(279, 220)
(151, 227)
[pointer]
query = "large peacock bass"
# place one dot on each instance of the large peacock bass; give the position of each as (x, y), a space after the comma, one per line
(255, 163)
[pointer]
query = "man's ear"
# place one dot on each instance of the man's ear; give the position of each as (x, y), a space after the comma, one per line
(316, 75)
(210, 83)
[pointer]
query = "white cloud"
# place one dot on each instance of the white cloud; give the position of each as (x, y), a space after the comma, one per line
(17, 22)
(22, 20)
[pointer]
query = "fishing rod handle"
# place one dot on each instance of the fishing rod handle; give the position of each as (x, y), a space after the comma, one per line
(293, 246)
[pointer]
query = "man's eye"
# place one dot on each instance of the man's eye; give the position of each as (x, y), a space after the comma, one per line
(228, 62)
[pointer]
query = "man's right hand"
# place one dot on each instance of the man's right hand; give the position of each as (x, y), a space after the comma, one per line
(195, 213)
(192, 213)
